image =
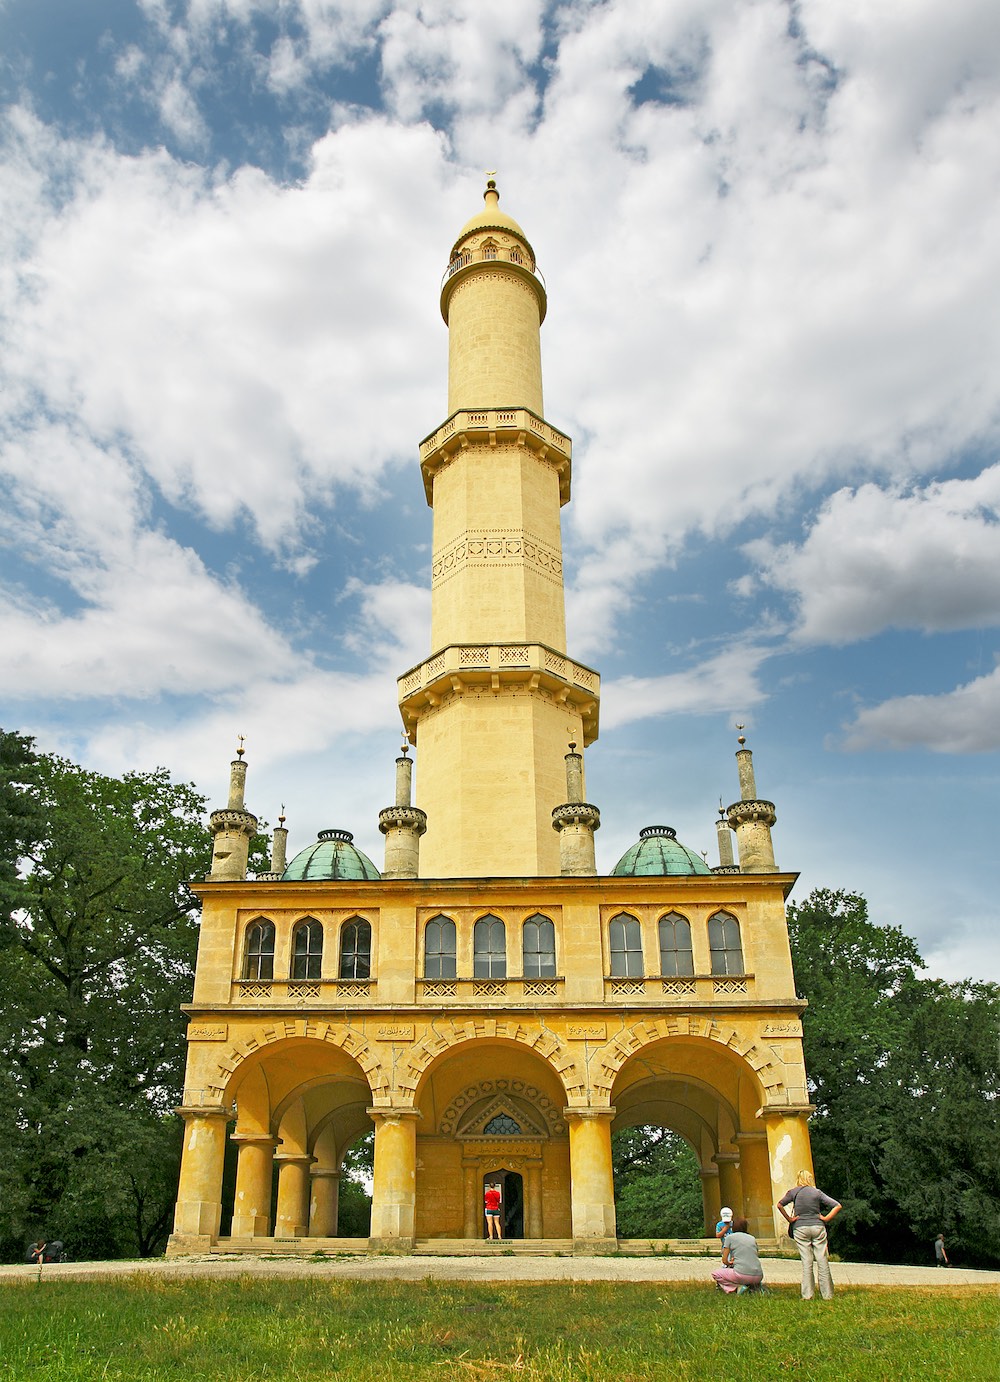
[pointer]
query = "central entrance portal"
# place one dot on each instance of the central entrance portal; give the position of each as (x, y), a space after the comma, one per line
(511, 1201)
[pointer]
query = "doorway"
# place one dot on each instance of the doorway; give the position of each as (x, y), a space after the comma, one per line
(511, 1201)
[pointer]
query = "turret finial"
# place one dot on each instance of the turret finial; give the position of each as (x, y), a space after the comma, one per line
(241, 750)
(741, 740)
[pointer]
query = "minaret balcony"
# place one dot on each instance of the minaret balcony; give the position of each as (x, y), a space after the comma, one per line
(496, 427)
(475, 668)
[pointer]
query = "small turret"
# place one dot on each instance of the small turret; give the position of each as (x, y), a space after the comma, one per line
(279, 845)
(751, 818)
(232, 828)
(727, 861)
(402, 824)
(576, 820)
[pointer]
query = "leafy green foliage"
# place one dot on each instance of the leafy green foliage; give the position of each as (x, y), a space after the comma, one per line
(355, 1202)
(97, 948)
(657, 1186)
(904, 1076)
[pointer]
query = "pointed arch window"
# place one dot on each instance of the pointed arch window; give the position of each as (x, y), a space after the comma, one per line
(307, 949)
(258, 955)
(625, 936)
(724, 944)
(489, 949)
(490, 249)
(439, 948)
(538, 948)
(676, 956)
(356, 949)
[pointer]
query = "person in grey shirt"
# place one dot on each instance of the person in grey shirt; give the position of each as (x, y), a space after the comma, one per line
(811, 1212)
(741, 1269)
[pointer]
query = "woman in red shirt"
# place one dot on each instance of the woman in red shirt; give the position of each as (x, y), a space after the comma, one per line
(492, 1202)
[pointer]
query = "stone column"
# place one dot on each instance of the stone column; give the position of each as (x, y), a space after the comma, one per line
(395, 1179)
(730, 1184)
(292, 1217)
(472, 1201)
(751, 819)
(199, 1194)
(711, 1198)
(254, 1173)
(325, 1203)
(788, 1152)
(592, 1182)
(533, 1226)
(755, 1174)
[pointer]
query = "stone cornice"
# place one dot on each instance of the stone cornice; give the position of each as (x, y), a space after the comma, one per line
(496, 427)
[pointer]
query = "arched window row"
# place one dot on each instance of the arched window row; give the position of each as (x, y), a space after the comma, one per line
(676, 947)
(490, 947)
(354, 949)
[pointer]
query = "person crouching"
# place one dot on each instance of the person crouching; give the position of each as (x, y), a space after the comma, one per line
(741, 1269)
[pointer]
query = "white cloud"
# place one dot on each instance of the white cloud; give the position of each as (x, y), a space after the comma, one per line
(875, 559)
(727, 682)
(966, 720)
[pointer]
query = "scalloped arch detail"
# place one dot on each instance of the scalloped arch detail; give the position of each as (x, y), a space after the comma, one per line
(347, 1039)
(610, 1059)
(448, 1037)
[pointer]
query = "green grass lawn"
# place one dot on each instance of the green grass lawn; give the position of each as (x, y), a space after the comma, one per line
(253, 1329)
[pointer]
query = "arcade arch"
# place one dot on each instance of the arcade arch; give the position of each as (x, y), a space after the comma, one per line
(709, 1095)
(475, 1124)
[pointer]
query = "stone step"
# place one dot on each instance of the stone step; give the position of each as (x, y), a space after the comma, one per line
(483, 1247)
(292, 1247)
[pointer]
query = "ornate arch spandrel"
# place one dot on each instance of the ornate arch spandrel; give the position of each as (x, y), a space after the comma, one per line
(609, 1060)
(271, 1034)
(448, 1036)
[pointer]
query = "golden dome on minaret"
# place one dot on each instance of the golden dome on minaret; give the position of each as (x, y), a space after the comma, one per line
(492, 218)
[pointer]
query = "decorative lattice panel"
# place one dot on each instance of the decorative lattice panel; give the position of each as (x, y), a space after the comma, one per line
(539, 988)
(627, 988)
(255, 990)
(724, 986)
(300, 990)
(440, 990)
(489, 988)
(678, 987)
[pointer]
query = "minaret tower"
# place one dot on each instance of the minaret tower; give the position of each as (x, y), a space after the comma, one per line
(495, 703)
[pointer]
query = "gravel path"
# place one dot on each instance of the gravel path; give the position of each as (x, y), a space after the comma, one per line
(778, 1271)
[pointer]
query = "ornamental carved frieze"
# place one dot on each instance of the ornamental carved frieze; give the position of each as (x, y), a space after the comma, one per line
(499, 547)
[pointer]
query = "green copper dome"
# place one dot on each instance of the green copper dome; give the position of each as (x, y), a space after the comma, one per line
(333, 856)
(658, 852)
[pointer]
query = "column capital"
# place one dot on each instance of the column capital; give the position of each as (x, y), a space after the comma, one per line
(206, 1111)
(254, 1139)
(591, 1114)
(294, 1159)
(750, 1137)
(323, 1173)
(726, 1158)
(709, 1172)
(393, 1115)
(786, 1111)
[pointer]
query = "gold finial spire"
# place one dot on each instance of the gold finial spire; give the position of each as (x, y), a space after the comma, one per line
(741, 740)
(240, 749)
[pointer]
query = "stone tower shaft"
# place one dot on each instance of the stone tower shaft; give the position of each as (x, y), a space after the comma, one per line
(495, 704)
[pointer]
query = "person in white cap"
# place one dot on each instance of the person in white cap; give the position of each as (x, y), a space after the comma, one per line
(724, 1227)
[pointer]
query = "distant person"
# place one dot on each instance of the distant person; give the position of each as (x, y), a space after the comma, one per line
(724, 1227)
(36, 1253)
(741, 1269)
(940, 1256)
(491, 1201)
(808, 1230)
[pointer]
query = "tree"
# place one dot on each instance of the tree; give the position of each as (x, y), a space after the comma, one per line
(906, 1091)
(657, 1186)
(97, 949)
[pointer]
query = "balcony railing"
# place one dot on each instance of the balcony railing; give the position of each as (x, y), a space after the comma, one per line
(302, 991)
(489, 256)
(687, 988)
(515, 989)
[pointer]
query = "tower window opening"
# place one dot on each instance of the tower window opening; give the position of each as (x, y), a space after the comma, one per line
(625, 938)
(258, 959)
(439, 948)
(489, 949)
(724, 944)
(490, 250)
(307, 949)
(356, 949)
(538, 948)
(516, 257)
(676, 956)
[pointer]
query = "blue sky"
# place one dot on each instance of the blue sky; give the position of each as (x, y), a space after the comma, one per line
(771, 236)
